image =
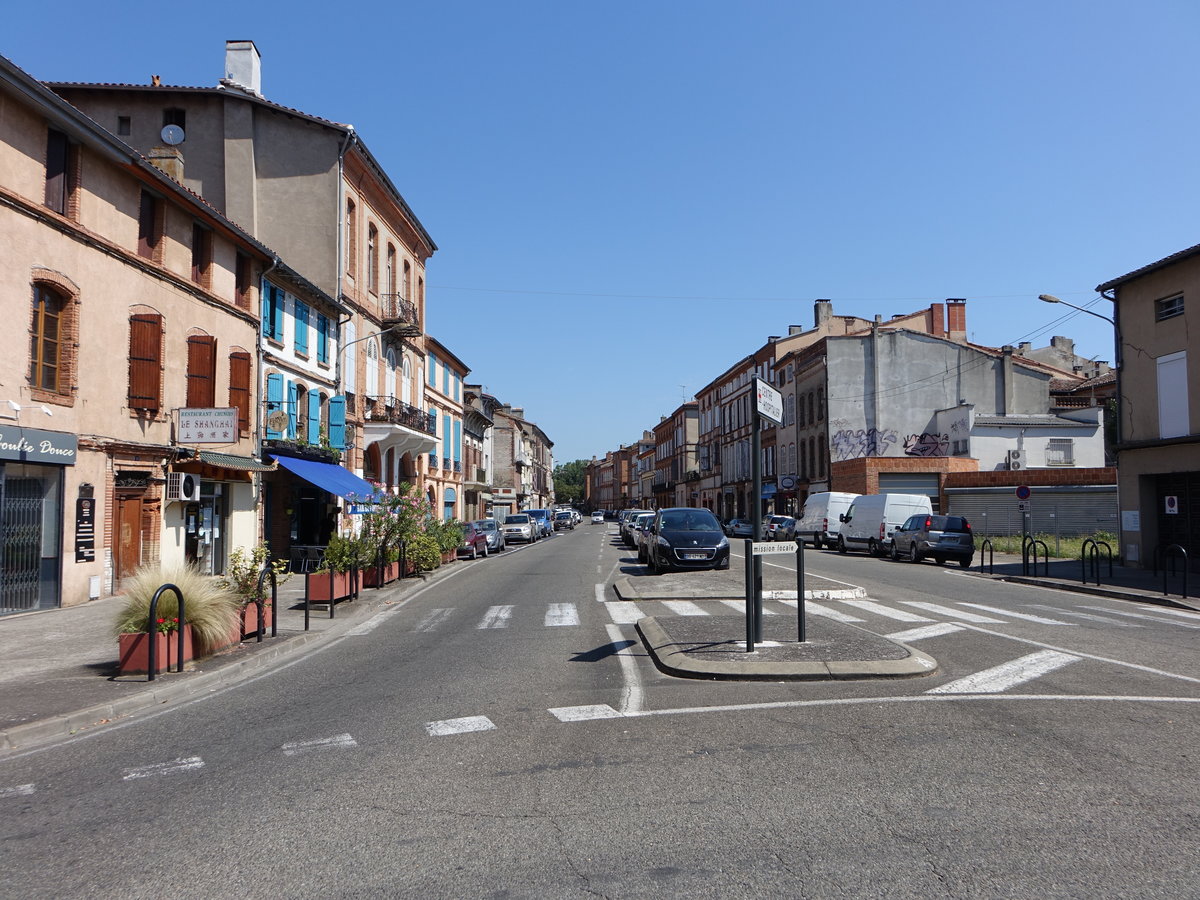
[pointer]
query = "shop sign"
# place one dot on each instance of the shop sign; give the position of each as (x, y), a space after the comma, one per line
(208, 426)
(85, 530)
(32, 445)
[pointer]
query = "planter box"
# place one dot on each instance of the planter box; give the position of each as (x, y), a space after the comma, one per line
(250, 619)
(316, 584)
(134, 651)
(370, 576)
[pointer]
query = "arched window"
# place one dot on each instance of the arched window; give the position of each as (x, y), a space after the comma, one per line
(372, 368)
(351, 239)
(49, 318)
(371, 463)
(406, 393)
(812, 413)
(389, 375)
(373, 259)
(407, 283)
(389, 281)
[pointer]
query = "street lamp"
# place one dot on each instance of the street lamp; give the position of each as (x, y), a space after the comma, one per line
(1050, 298)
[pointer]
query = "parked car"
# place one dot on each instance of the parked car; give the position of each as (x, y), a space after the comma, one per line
(624, 520)
(544, 519)
(520, 527)
(563, 520)
(938, 537)
(869, 522)
(598, 517)
(495, 537)
(779, 528)
(739, 528)
(819, 521)
(644, 534)
(629, 531)
(474, 543)
(686, 538)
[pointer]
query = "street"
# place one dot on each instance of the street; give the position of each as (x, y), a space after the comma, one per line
(502, 732)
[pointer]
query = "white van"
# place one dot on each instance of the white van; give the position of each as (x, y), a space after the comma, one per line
(869, 522)
(819, 521)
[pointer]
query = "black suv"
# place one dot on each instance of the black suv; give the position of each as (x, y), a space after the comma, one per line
(940, 537)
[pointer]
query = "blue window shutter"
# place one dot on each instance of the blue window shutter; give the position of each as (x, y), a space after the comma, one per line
(301, 328)
(322, 339)
(432, 370)
(337, 422)
(291, 409)
(274, 400)
(446, 437)
(314, 417)
(446, 380)
(268, 325)
(457, 440)
(277, 313)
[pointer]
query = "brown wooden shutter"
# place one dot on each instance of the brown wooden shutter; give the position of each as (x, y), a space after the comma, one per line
(56, 171)
(145, 361)
(202, 372)
(146, 216)
(239, 388)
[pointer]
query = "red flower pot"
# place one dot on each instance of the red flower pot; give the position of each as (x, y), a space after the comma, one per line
(317, 584)
(370, 575)
(134, 651)
(250, 618)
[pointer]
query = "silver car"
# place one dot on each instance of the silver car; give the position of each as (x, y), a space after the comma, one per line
(491, 530)
(520, 527)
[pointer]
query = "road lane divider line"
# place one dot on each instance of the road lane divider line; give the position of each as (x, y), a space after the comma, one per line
(465, 725)
(337, 742)
(174, 767)
(927, 631)
(1007, 675)
(600, 591)
(632, 696)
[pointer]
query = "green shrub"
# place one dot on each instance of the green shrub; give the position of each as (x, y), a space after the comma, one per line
(448, 534)
(343, 554)
(423, 552)
(213, 612)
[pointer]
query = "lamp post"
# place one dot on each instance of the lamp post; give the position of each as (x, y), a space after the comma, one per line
(1050, 298)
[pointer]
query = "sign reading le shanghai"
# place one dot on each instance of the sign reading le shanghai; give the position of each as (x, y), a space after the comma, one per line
(208, 426)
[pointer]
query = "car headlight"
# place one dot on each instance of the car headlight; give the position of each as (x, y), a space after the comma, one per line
(664, 543)
(723, 543)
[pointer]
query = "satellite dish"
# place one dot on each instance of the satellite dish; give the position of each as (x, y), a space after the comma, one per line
(172, 134)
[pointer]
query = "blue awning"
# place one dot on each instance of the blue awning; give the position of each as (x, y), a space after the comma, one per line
(768, 490)
(329, 477)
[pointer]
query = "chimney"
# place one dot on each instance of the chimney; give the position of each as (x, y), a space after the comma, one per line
(957, 315)
(937, 314)
(243, 67)
(167, 159)
(1064, 344)
(822, 312)
(1024, 348)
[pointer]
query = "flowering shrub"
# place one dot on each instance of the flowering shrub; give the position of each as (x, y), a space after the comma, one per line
(245, 568)
(167, 626)
(424, 553)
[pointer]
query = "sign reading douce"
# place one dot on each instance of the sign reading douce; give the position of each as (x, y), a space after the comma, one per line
(32, 445)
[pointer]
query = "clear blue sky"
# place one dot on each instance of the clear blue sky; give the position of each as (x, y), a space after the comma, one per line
(629, 197)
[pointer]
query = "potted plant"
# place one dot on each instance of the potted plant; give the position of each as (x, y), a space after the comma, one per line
(210, 616)
(332, 581)
(242, 579)
(423, 553)
(448, 534)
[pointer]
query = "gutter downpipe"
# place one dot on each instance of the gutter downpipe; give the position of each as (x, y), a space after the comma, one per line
(1118, 431)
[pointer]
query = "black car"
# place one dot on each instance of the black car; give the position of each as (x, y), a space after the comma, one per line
(941, 538)
(686, 538)
(564, 520)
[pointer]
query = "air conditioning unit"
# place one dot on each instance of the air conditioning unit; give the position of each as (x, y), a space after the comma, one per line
(183, 486)
(1016, 460)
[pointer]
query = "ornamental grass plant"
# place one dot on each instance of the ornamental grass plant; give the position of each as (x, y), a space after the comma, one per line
(213, 612)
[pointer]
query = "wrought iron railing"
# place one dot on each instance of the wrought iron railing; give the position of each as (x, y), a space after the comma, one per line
(397, 412)
(399, 315)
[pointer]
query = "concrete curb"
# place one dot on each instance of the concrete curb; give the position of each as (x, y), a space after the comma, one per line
(672, 661)
(1109, 592)
(626, 591)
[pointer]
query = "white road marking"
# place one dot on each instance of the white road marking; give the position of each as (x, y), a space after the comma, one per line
(600, 594)
(1113, 612)
(818, 610)
(459, 726)
(1016, 615)
(1086, 616)
(928, 631)
(584, 713)
(370, 625)
(1171, 612)
(561, 614)
(740, 606)
(631, 694)
(952, 613)
(880, 610)
(174, 767)
(1010, 674)
(433, 619)
(624, 613)
(684, 608)
(337, 742)
(20, 790)
(496, 617)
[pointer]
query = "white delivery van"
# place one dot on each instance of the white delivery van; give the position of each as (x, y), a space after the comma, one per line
(869, 522)
(818, 523)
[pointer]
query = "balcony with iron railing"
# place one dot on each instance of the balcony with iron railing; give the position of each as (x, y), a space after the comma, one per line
(399, 315)
(396, 412)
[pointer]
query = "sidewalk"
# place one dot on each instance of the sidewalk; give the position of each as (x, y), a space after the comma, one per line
(59, 666)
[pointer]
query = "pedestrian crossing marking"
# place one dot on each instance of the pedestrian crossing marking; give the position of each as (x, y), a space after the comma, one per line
(337, 742)
(740, 606)
(496, 617)
(818, 609)
(1007, 675)
(684, 608)
(927, 631)
(19, 790)
(585, 713)
(561, 614)
(880, 610)
(953, 613)
(433, 619)
(624, 613)
(174, 767)
(1195, 617)
(464, 725)
(1113, 612)
(1086, 616)
(1016, 615)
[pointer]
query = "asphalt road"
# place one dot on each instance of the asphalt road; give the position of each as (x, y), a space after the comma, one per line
(502, 733)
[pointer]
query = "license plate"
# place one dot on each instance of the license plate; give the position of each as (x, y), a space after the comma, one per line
(695, 556)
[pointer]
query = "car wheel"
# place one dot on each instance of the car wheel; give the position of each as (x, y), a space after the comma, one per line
(965, 563)
(895, 554)
(651, 562)
(940, 560)
(474, 551)
(841, 544)
(817, 542)
(485, 551)
(913, 556)
(872, 547)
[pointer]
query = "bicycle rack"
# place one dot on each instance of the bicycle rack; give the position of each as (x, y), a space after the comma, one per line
(1090, 553)
(267, 570)
(152, 627)
(986, 547)
(1028, 545)
(1170, 553)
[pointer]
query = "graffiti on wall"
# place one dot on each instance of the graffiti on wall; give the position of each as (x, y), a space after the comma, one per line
(852, 444)
(926, 444)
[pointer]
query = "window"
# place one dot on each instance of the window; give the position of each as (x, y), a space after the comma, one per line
(1167, 308)
(175, 116)
(372, 259)
(272, 313)
(239, 388)
(49, 311)
(372, 368)
(201, 254)
(432, 370)
(1173, 418)
(61, 170)
(124, 126)
(202, 371)
(390, 274)
(322, 339)
(150, 216)
(301, 316)
(242, 280)
(1059, 452)
(407, 281)
(145, 362)
(351, 239)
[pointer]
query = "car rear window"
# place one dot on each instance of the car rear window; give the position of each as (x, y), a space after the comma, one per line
(954, 523)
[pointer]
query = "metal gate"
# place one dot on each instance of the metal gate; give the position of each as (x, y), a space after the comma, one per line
(21, 544)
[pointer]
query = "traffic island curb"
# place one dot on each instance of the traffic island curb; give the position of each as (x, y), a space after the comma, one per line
(822, 659)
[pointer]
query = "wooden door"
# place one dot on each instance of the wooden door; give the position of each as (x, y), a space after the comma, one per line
(127, 537)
